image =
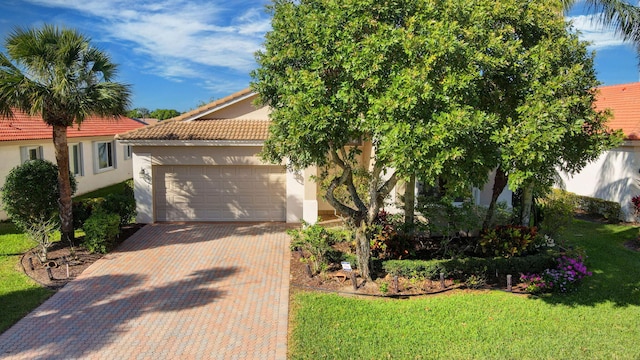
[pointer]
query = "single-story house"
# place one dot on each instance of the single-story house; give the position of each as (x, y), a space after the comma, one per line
(95, 157)
(615, 175)
(204, 166)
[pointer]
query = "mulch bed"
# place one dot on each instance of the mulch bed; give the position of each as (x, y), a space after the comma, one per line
(59, 255)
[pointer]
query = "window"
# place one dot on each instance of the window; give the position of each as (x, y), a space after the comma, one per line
(127, 152)
(75, 159)
(30, 153)
(104, 156)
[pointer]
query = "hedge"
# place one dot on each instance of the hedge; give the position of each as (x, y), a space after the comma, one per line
(462, 268)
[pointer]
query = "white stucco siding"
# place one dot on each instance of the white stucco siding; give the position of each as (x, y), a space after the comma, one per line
(88, 180)
(613, 176)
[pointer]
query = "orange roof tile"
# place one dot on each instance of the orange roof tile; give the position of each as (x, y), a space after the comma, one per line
(25, 127)
(216, 129)
(624, 102)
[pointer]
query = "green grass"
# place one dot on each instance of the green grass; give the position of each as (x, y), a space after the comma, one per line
(18, 293)
(101, 193)
(599, 321)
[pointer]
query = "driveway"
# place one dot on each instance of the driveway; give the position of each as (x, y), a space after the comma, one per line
(190, 291)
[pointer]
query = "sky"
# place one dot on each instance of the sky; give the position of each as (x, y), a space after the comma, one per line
(178, 54)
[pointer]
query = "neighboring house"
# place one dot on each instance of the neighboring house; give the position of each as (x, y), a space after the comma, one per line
(204, 166)
(95, 158)
(615, 175)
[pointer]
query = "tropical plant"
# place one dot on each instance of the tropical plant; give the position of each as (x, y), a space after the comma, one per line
(623, 16)
(56, 73)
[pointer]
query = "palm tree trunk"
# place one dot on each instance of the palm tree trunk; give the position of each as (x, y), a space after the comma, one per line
(64, 183)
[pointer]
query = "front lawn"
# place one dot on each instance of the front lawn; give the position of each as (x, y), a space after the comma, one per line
(598, 321)
(18, 293)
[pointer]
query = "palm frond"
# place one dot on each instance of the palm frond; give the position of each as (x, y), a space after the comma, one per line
(621, 15)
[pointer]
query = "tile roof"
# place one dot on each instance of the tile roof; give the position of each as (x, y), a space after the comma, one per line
(212, 105)
(624, 103)
(216, 129)
(25, 127)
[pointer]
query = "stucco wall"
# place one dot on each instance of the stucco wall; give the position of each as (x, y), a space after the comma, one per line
(613, 176)
(89, 181)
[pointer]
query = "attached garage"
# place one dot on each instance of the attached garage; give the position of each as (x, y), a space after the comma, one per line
(219, 193)
(205, 165)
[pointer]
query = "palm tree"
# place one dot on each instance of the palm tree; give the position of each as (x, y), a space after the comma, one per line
(621, 15)
(55, 73)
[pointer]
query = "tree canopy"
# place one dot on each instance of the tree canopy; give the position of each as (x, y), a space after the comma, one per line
(446, 91)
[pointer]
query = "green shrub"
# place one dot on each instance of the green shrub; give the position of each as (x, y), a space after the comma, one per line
(608, 209)
(82, 209)
(30, 193)
(101, 229)
(462, 268)
(121, 204)
(557, 212)
(316, 242)
(508, 240)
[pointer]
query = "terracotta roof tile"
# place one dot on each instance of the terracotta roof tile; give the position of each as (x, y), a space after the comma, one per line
(204, 108)
(624, 103)
(25, 127)
(216, 129)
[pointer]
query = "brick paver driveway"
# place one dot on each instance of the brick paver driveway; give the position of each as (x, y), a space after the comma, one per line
(204, 291)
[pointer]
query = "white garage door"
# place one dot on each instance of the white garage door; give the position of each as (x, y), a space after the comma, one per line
(220, 193)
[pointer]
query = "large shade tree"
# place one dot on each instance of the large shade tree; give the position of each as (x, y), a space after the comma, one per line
(403, 76)
(57, 74)
(542, 91)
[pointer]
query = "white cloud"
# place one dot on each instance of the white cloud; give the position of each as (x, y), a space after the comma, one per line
(591, 30)
(180, 37)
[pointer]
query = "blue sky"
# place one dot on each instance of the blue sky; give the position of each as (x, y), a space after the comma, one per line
(179, 53)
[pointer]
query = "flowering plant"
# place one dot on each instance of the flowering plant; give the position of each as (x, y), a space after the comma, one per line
(564, 278)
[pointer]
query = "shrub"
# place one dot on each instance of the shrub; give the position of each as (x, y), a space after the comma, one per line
(462, 268)
(316, 242)
(82, 209)
(121, 204)
(30, 193)
(388, 241)
(509, 240)
(608, 209)
(101, 229)
(557, 213)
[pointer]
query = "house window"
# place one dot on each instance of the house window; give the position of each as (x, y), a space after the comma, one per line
(30, 153)
(127, 152)
(76, 160)
(104, 156)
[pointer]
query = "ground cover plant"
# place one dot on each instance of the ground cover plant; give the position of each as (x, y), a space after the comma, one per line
(596, 321)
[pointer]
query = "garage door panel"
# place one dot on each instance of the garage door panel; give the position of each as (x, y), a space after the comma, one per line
(220, 193)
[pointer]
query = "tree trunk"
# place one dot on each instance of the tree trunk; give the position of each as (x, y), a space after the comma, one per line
(363, 250)
(64, 183)
(527, 203)
(499, 182)
(410, 202)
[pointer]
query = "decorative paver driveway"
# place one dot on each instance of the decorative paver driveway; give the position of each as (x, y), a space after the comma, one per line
(190, 291)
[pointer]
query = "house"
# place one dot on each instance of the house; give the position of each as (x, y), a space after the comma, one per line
(204, 166)
(95, 157)
(615, 175)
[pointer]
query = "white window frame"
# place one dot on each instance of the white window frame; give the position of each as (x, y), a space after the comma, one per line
(127, 152)
(96, 156)
(27, 151)
(80, 159)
